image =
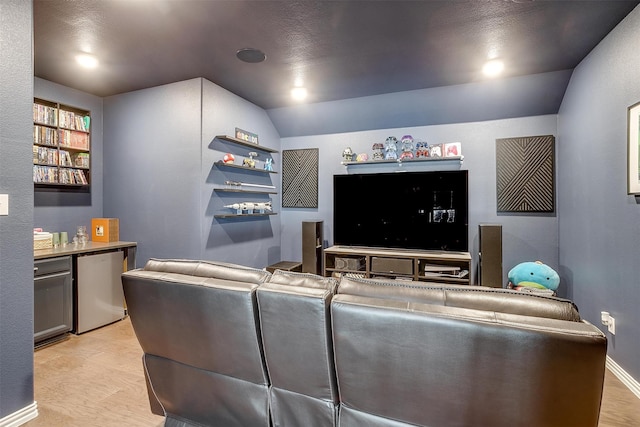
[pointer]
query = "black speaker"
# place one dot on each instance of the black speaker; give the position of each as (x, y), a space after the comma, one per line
(490, 256)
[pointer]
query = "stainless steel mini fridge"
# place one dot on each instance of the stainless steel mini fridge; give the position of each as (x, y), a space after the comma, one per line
(100, 299)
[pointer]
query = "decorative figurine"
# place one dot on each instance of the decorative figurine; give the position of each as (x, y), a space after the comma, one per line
(347, 154)
(435, 150)
(452, 149)
(390, 148)
(228, 159)
(422, 149)
(378, 153)
(362, 157)
(268, 164)
(407, 147)
(250, 162)
(250, 207)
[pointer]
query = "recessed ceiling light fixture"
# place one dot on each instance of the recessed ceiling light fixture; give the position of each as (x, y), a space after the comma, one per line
(87, 61)
(299, 93)
(493, 68)
(251, 55)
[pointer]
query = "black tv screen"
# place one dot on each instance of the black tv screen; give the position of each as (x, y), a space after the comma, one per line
(411, 210)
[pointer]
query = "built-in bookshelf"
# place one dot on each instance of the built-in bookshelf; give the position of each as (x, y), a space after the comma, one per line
(61, 145)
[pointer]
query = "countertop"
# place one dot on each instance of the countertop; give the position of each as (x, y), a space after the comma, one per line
(71, 249)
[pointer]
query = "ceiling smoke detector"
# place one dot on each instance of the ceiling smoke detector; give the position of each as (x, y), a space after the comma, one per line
(251, 55)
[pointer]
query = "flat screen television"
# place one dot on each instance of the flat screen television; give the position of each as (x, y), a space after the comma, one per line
(410, 210)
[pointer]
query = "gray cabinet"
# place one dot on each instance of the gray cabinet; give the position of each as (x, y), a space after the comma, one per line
(405, 264)
(52, 298)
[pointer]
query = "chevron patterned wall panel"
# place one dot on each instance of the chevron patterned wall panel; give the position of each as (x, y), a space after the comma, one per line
(300, 178)
(525, 174)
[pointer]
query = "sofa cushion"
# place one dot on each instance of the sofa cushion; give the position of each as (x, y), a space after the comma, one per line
(463, 296)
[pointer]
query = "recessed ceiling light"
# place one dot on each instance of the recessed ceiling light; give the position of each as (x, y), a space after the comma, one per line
(251, 55)
(493, 68)
(299, 93)
(87, 61)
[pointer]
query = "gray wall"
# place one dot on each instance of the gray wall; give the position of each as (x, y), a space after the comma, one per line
(525, 237)
(159, 174)
(254, 242)
(152, 168)
(16, 243)
(599, 229)
(66, 210)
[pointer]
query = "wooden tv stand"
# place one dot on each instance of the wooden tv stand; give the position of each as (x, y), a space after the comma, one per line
(425, 266)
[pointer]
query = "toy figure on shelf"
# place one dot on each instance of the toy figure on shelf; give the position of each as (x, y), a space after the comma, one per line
(250, 207)
(268, 164)
(378, 153)
(435, 150)
(228, 159)
(422, 149)
(250, 162)
(452, 149)
(347, 154)
(407, 147)
(390, 148)
(362, 157)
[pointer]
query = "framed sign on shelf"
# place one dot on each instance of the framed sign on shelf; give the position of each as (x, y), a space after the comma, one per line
(633, 149)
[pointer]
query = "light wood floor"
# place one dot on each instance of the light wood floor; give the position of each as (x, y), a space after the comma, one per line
(96, 379)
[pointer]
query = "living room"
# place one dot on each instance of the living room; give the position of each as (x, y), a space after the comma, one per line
(153, 169)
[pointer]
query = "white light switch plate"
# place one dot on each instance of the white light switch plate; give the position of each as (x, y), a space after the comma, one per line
(4, 204)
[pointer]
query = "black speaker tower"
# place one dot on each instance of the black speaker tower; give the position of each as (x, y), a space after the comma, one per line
(490, 256)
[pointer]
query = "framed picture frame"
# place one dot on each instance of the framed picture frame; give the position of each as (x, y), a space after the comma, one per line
(633, 149)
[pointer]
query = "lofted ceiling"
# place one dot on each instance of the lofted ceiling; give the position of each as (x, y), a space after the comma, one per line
(337, 49)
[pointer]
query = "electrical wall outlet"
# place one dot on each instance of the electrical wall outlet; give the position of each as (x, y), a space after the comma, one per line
(608, 321)
(4, 204)
(611, 326)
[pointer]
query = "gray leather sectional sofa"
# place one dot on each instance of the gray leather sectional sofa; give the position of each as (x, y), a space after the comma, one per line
(226, 345)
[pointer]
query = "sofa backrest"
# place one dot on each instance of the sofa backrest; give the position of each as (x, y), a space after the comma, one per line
(402, 363)
(463, 296)
(197, 324)
(210, 269)
(296, 331)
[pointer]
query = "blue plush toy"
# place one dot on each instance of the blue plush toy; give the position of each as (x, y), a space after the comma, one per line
(533, 275)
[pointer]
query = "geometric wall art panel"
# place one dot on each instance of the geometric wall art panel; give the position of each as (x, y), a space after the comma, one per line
(300, 178)
(525, 174)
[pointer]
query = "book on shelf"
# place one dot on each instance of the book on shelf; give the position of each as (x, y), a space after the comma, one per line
(65, 158)
(44, 155)
(44, 135)
(73, 139)
(81, 160)
(53, 175)
(45, 114)
(75, 121)
(45, 174)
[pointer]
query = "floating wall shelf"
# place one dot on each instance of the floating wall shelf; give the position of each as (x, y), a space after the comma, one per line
(399, 162)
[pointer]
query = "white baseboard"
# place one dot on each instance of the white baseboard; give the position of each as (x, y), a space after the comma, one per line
(622, 375)
(20, 417)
